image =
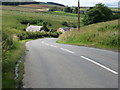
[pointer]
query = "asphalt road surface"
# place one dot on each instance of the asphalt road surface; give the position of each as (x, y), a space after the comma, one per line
(52, 65)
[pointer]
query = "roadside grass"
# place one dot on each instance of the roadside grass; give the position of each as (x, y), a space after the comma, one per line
(20, 73)
(10, 58)
(101, 35)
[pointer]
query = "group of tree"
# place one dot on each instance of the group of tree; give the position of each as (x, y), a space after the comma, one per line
(56, 9)
(99, 13)
(71, 9)
(46, 25)
(66, 9)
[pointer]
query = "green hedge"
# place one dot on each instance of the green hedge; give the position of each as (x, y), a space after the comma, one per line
(8, 42)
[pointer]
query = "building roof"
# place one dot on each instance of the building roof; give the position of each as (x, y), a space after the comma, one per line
(64, 29)
(33, 28)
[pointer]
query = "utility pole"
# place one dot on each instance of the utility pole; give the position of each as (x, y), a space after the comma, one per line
(69, 24)
(78, 15)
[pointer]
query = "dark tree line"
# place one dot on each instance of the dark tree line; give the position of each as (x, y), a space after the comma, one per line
(18, 3)
(55, 4)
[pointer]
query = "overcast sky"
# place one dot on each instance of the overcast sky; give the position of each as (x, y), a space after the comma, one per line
(110, 3)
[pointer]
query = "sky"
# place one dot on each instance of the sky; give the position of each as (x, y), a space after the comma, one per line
(109, 3)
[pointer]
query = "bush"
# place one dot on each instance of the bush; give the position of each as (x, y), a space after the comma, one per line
(53, 9)
(75, 10)
(65, 23)
(68, 9)
(116, 16)
(74, 26)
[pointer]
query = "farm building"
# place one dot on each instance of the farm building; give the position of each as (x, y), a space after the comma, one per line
(65, 29)
(33, 28)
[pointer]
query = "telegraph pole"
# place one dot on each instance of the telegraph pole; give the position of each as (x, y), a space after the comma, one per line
(78, 15)
(69, 24)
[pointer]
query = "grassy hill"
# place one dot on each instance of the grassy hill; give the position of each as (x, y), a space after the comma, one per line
(101, 35)
(55, 19)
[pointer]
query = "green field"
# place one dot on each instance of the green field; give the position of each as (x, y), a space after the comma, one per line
(101, 35)
(53, 18)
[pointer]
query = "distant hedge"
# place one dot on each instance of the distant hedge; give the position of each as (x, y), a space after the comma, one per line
(8, 42)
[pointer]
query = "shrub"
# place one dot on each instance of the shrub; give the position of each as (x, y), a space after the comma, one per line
(116, 16)
(68, 9)
(53, 9)
(65, 23)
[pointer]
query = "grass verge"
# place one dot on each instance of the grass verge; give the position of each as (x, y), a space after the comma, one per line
(9, 62)
(101, 35)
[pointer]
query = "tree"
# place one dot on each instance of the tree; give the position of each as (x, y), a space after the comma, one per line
(45, 26)
(76, 10)
(99, 13)
(68, 9)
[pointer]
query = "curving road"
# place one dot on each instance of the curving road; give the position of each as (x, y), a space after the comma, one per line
(52, 65)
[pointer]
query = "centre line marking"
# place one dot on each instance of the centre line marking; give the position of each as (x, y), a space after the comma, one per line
(46, 44)
(42, 42)
(100, 65)
(53, 46)
(67, 50)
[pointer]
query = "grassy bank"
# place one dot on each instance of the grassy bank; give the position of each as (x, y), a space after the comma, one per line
(10, 57)
(101, 35)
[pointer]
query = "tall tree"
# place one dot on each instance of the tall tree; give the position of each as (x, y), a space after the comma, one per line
(99, 13)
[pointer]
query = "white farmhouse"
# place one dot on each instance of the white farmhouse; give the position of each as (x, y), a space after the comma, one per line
(33, 28)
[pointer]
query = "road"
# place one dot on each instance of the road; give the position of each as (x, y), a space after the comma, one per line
(52, 65)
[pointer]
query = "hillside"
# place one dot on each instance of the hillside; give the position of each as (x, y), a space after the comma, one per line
(31, 7)
(53, 18)
(100, 35)
(31, 2)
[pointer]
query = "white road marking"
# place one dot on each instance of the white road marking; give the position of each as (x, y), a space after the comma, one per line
(100, 65)
(42, 42)
(53, 46)
(46, 44)
(67, 50)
